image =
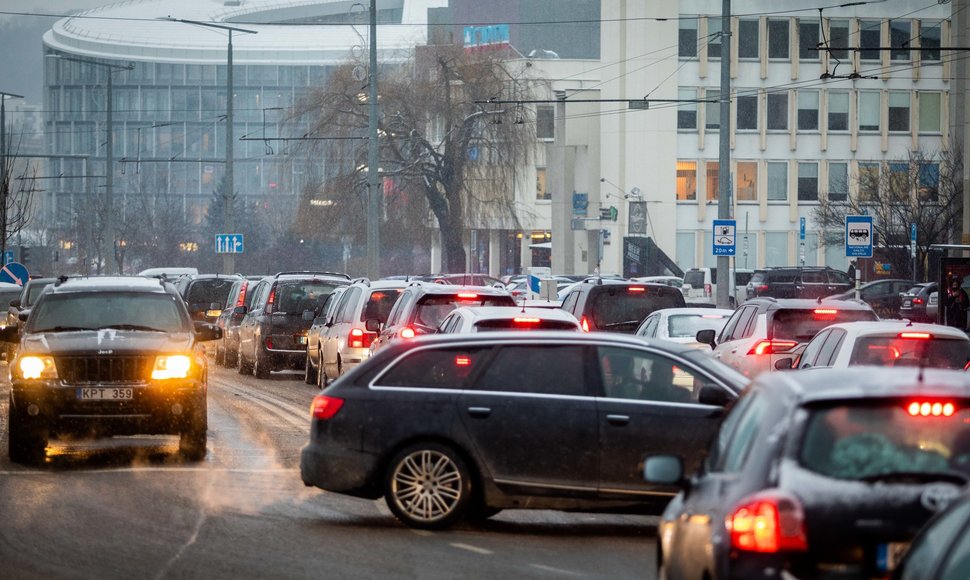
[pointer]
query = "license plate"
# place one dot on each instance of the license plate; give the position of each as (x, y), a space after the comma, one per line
(889, 555)
(105, 394)
(907, 303)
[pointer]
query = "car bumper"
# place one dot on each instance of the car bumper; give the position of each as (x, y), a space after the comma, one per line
(340, 470)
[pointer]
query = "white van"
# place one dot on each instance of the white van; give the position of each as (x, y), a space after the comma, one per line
(171, 272)
(700, 286)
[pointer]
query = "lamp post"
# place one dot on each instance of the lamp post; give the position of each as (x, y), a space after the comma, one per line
(108, 239)
(3, 153)
(373, 160)
(229, 194)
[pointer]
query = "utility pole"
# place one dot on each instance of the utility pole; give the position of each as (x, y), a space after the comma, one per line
(373, 160)
(724, 157)
(3, 156)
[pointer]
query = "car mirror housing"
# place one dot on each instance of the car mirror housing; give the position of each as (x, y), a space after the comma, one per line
(706, 336)
(205, 331)
(372, 325)
(22, 316)
(664, 469)
(239, 311)
(784, 364)
(15, 302)
(713, 395)
(309, 315)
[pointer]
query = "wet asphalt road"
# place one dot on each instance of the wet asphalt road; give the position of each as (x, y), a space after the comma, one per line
(128, 508)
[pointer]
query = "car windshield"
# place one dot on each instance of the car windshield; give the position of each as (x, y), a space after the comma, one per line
(897, 351)
(379, 304)
(97, 310)
(620, 309)
(33, 291)
(295, 297)
(202, 293)
(880, 439)
(433, 309)
(695, 278)
(802, 324)
(687, 325)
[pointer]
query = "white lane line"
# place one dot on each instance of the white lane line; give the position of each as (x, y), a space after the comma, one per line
(422, 533)
(555, 570)
(471, 548)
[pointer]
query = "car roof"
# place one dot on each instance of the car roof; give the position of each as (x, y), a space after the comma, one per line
(382, 284)
(809, 304)
(446, 289)
(667, 312)
(116, 283)
(542, 337)
(862, 382)
(893, 327)
(508, 312)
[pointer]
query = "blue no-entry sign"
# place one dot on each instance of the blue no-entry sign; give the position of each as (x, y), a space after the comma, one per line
(858, 236)
(229, 243)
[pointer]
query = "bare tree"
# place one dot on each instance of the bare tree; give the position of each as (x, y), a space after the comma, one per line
(436, 138)
(16, 193)
(926, 190)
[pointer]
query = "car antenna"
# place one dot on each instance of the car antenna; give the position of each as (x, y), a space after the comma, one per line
(818, 300)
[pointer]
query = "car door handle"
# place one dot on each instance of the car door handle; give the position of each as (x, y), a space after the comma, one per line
(479, 412)
(618, 420)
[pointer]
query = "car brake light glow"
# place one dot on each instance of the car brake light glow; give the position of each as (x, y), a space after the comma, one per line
(471, 295)
(707, 290)
(407, 332)
(463, 360)
(241, 299)
(916, 335)
(636, 289)
(826, 312)
(761, 287)
(360, 338)
(917, 300)
(772, 347)
(585, 324)
(927, 408)
(525, 320)
(768, 522)
(272, 296)
(268, 342)
(324, 407)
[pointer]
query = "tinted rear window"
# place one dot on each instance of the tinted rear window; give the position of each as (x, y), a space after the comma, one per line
(783, 276)
(695, 278)
(757, 278)
(621, 310)
(34, 291)
(803, 324)
(295, 297)
(687, 325)
(431, 310)
(875, 439)
(204, 292)
(893, 351)
(380, 303)
(742, 278)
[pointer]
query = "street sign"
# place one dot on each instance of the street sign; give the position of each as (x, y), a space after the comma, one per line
(801, 229)
(580, 203)
(725, 237)
(14, 273)
(577, 224)
(609, 213)
(229, 243)
(858, 236)
(7, 256)
(638, 218)
(912, 240)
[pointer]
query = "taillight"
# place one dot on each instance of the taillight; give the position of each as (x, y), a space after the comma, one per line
(241, 299)
(463, 360)
(768, 522)
(468, 295)
(772, 346)
(360, 338)
(407, 332)
(636, 289)
(825, 312)
(707, 289)
(324, 407)
(917, 300)
(915, 335)
(928, 408)
(585, 324)
(271, 300)
(761, 288)
(268, 342)
(525, 320)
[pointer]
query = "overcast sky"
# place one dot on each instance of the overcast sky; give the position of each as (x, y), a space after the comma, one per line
(21, 48)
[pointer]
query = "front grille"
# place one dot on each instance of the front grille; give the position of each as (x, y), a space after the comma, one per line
(105, 369)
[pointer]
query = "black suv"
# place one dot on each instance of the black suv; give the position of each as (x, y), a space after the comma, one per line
(205, 294)
(108, 356)
(273, 333)
(798, 282)
(618, 305)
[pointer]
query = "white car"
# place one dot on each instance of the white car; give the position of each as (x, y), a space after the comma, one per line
(666, 280)
(681, 325)
(700, 285)
(491, 318)
(887, 343)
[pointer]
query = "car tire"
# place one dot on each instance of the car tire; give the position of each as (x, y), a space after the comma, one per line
(26, 437)
(193, 437)
(231, 358)
(245, 367)
(309, 373)
(428, 486)
(261, 368)
(220, 357)
(322, 380)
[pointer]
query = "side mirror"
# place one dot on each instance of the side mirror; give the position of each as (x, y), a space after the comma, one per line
(239, 311)
(22, 316)
(10, 334)
(309, 315)
(205, 331)
(714, 396)
(15, 302)
(706, 336)
(664, 469)
(784, 364)
(372, 325)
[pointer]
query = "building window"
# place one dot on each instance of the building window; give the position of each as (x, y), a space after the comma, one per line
(747, 112)
(777, 181)
(808, 39)
(807, 181)
(869, 39)
(776, 249)
(898, 182)
(929, 113)
(712, 112)
(542, 192)
(747, 181)
(807, 110)
(687, 45)
(929, 182)
(687, 112)
(868, 182)
(929, 37)
(748, 40)
(713, 183)
(686, 241)
(545, 122)
(839, 39)
(714, 37)
(900, 34)
(686, 180)
(838, 111)
(778, 42)
(838, 181)
(868, 111)
(899, 111)
(778, 111)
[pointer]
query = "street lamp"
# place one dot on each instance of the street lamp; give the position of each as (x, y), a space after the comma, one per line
(229, 194)
(107, 241)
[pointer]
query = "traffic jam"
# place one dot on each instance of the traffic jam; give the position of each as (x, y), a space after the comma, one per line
(775, 439)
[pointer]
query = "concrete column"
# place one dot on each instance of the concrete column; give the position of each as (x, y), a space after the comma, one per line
(561, 176)
(435, 251)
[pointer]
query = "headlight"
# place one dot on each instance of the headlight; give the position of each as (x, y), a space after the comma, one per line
(174, 366)
(38, 367)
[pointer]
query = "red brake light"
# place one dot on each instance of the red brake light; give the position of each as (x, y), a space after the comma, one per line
(272, 296)
(360, 338)
(636, 289)
(707, 290)
(768, 522)
(761, 288)
(463, 360)
(471, 295)
(927, 408)
(269, 342)
(324, 407)
(916, 335)
(407, 332)
(585, 324)
(772, 347)
(525, 320)
(917, 300)
(826, 312)
(241, 299)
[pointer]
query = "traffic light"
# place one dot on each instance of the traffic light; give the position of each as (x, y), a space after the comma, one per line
(24, 255)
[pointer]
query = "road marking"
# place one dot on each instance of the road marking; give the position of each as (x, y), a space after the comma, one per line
(471, 548)
(422, 533)
(556, 570)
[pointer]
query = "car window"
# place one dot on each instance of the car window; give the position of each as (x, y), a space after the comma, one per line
(744, 436)
(926, 552)
(204, 292)
(540, 369)
(757, 278)
(621, 308)
(642, 376)
(432, 309)
(293, 297)
(33, 291)
(569, 303)
(95, 310)
(715, 457)
(8, 295)
(400, 307)
(651, 326)
(695, 278)
(259, 296)
(449, 324)
(745, 323)
(895, 351)
(830, 350)
(814, 277)
(782, 276)
(742, 278)
(732, 323)
(345, 309)
(442, 368)
(379, 304)
(687, 325)
(802, 324)
(811, 352)
(837, 277)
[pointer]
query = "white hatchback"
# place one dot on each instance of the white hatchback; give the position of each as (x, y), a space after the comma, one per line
(492, 318)
(681, 325)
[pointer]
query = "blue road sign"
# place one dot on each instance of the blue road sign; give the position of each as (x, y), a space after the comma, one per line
(725, 237)
(229, 243)
(14, 273)
(801, 229)
(7, 256)
(858, 236)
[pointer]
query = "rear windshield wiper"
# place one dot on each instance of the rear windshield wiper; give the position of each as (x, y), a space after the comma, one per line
(624, 323)
(917, 477)
(130, 327)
